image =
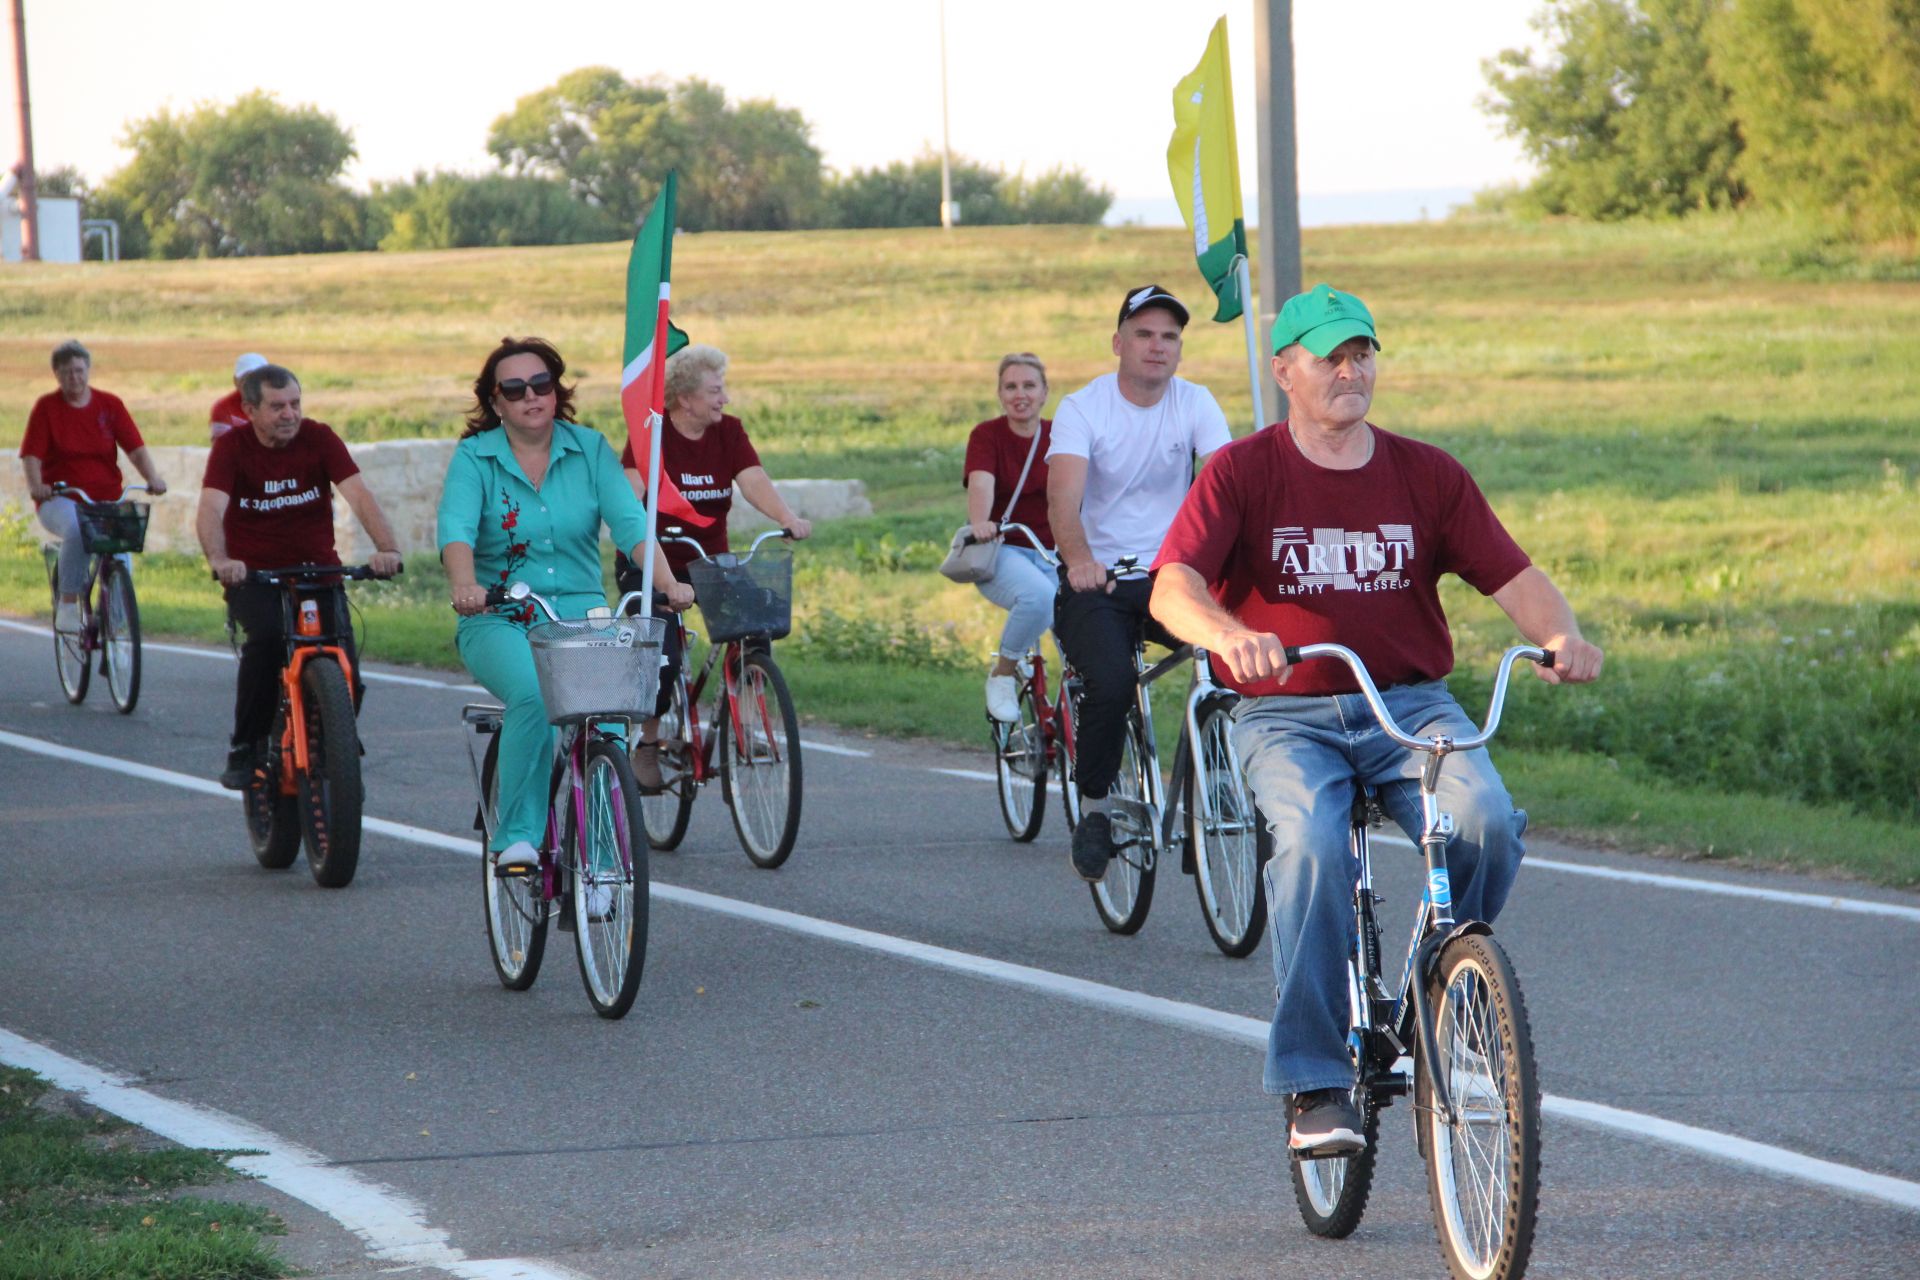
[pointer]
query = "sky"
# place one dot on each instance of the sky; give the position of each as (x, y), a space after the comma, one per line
(1385, 92)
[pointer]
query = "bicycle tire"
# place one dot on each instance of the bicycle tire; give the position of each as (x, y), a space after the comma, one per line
(70, 663)
(1068, 744)
(1020, 770)
(763, 780)
(1483, 1171)
(273, 818)
(330, 792)
(608, 860)
(1331, 1192)
(1230, 852)
(120, 636)
(515, 909)
(1123, 896)
(668, 813)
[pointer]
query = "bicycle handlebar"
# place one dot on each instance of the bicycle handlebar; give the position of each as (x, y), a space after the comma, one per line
(674, 533)
(1009, 526)
(1543, 657)
(310, 572)
(520, 592)
(61, 489)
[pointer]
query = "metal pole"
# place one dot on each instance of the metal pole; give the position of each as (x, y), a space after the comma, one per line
(1255, 365)
(29, 200)
(946, 145)
(1279, 165)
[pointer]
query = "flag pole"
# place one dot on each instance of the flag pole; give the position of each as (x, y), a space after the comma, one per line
(1247, 313)
(655, 424)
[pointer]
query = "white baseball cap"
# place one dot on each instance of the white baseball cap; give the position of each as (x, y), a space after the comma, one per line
(247, 363)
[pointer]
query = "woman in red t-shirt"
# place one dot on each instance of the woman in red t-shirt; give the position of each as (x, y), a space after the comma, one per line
(998, 452)
(73, 438)
(704, 456)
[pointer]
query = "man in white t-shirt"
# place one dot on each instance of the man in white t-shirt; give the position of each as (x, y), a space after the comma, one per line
(1119, 466)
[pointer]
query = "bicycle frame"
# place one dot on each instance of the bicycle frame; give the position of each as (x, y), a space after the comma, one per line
(1406, 1012)
(295, 748)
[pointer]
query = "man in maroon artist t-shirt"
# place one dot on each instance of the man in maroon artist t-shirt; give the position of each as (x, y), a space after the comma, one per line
(1324, 528)
(267, 503)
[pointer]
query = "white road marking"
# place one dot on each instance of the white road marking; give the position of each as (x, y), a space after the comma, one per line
(391, 1225)
(1778, 1161)
(975, 775)
(835, 750)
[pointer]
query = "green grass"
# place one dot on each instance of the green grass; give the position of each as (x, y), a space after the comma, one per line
(1707, 430)
(77, 1202)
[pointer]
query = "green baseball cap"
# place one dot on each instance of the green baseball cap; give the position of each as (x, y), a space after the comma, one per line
(1321, 319)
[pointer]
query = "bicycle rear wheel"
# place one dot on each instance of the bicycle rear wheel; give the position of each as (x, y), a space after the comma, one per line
(668, 813)
(760, 765)
(1123, 896)
(1332, 1192)
(1020, 769)
(608, 856)
(1231, 846)
(70, 657)
(120, 636)
(273, 817)
(1483, 1169)
(330, 792)
(516, 908)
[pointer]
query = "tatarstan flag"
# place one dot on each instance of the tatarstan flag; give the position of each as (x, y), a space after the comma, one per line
(1204, 163)
(643, 373)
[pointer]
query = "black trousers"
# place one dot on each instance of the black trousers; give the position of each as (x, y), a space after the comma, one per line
(1097, 631)
(255, 608)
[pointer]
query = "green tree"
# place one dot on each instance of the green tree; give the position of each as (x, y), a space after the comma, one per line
(1623, 114)
(455, 211)
(252, 178)
(907, 194)
(1828, 96)
(745, 166)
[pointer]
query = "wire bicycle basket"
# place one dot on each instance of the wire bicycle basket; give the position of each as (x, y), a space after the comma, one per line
(112, 528)
(739, 600)
(598, 668)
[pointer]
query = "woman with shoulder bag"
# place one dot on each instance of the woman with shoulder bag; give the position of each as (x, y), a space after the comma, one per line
(1006, 472)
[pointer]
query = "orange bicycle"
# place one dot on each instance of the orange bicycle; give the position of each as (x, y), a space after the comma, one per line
(306, 787)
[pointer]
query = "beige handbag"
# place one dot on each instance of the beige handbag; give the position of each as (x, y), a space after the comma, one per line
(971, 561)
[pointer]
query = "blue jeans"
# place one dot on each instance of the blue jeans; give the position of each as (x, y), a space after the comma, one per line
(1023, 584)
(1303, 757)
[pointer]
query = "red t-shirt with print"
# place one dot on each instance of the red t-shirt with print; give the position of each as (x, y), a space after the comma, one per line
(280, 508)
(704, 471)
(994, 448)
(1315, 555)
(229, 413)
(77, 446)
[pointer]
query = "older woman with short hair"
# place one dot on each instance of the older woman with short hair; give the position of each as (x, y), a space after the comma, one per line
(706, 455)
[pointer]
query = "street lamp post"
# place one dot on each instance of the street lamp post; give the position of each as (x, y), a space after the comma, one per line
(1279, 165)
(946, 145)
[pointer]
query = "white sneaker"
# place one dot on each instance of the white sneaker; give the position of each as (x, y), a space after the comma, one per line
(599, 903)
(66, 616)
(518, 858)
(1003, 699)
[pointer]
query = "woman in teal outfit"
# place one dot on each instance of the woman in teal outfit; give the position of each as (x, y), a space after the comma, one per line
(525, 496)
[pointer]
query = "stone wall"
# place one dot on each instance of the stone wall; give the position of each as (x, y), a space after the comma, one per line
(405, 475)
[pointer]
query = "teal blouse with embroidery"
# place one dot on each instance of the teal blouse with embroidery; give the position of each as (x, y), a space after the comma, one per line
(547, 537)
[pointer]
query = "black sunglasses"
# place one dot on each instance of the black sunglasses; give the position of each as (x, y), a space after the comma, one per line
(540, 384)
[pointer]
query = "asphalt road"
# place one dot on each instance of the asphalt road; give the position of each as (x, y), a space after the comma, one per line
(784, 1103)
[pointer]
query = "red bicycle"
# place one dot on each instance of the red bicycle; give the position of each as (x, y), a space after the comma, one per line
(750, 738)
(1039, 742)
(111, 532)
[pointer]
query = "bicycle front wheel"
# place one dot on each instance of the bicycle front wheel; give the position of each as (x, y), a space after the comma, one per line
(1020, 769)
(273, 817)
(760, 764)
(1483, 1167)
(1332, 1191)
(515, 905)
(120, 636)
(1228, 838)
(329, 792)
(1123, 895)
(668, 813)
(608, 856)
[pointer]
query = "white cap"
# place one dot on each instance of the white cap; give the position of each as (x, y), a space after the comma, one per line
(247, 363)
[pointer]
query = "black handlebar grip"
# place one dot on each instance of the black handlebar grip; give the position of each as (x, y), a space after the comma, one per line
(496, 594)
(1293, 654)
(1546, 658)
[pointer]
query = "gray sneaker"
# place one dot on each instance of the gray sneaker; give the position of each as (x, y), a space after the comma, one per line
(1092, 847)
(1325, 1122)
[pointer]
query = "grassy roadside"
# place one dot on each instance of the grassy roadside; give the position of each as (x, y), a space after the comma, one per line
(1707, 430)
(80, 1200)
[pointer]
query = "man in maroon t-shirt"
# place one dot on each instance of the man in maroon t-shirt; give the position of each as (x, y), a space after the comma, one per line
(1324, 528)
(266, 503)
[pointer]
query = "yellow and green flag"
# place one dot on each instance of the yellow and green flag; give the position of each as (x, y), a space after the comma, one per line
(1204, 162)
